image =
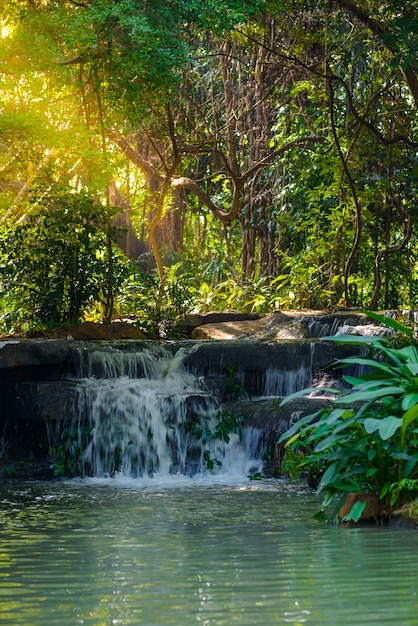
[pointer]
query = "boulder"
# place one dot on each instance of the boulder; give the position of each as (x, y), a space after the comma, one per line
(195, 320)
(116, 330)
(272, 327)
(32, 352)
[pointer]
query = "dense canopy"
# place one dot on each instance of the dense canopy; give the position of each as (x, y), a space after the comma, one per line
(169, 156)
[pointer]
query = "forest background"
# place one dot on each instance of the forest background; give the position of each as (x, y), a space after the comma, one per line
(160, 157)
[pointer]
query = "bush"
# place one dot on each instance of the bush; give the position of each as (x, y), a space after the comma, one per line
(56, 263)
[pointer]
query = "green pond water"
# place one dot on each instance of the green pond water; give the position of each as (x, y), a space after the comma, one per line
(111, 552)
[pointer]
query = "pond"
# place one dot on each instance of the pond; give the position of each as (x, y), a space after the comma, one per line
(195, 551)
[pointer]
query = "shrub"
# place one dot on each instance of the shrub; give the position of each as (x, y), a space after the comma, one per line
(57, 262)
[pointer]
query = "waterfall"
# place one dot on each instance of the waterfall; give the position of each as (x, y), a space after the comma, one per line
(137, 408)
(134, 408)
(329, 325)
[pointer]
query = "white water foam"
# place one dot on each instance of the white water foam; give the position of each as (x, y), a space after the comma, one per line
(142, 427)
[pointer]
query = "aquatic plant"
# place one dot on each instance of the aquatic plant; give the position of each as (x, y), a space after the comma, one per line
(226, 424)
(66, 454)
(366, 441)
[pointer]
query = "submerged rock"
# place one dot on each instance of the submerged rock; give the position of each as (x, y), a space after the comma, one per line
(372, 510)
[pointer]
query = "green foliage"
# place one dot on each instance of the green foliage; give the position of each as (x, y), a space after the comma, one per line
(368, 440)
(160, 305)
(225, 424)
(152, 73)
(10, 470)
(234, 388)
(57, 263)
(256, 476)
(66, 455)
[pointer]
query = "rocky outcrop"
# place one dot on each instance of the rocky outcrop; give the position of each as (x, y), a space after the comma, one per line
(269, 369)
(105, 332)
(272, 357)
(32, 359)
(39, 358)
(273, 327)
(283, 325)
(16, 353)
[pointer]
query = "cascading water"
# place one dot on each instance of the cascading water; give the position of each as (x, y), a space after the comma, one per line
(138, 410)
(135, 406)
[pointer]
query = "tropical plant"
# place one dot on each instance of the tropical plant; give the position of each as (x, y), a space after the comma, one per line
(367, 440)
(160, 305)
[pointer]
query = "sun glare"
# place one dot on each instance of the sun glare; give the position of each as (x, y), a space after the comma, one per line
(5, 30)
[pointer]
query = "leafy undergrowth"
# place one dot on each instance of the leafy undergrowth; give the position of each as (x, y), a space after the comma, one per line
(366, 442)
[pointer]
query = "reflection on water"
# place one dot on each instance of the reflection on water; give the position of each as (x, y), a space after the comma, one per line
(121, 553)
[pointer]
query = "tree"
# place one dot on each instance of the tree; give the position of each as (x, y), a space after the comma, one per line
(290, 125)
(352, 81)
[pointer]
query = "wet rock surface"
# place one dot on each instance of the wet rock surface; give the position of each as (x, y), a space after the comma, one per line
(37, 352)
(280, 326)
(260, 361)
(272, 327)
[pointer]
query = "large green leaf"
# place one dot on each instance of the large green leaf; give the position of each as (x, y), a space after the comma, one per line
(371, 454)
(328, 475)
(368, 363)
(409, 353)
(377, 343)
(388, 426)
(410, 465)
(305, 392)
(344, 485)
(355, 512)
(371, 424)
(368, 385)
(371, 383)
(407, 418)
(345, 453)
(327, 443)
(335, 415)
(321, 429)
(307, 419)
(354, 381)
(373, 394)
(409, 400)
(354, 339)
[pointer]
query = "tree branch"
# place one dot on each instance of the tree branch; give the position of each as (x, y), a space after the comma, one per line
(359, 225)
(184, 182)
(378, 29)
(267, 160)
(136, 158)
